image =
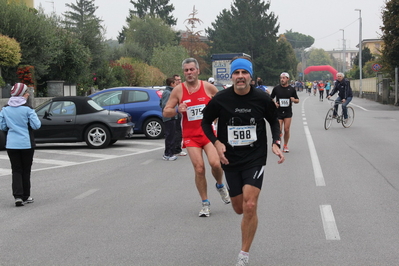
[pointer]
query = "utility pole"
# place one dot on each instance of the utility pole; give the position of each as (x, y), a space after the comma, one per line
(344, 51)
(52, 2)
(360, 53)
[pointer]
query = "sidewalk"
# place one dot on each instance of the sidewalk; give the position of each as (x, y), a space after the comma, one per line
(373, 105)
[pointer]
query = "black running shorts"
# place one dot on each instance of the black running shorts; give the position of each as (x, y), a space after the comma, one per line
(237, 179)
(284, 114)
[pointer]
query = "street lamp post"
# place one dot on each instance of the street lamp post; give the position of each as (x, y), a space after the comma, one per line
(360, 52)
(344, 51)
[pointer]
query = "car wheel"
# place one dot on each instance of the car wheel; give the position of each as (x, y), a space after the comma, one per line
(153, 128)
(97, 136)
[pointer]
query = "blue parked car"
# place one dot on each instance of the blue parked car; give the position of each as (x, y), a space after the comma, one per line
(141, 103)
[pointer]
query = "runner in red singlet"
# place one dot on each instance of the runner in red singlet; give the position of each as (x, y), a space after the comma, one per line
(192, 96)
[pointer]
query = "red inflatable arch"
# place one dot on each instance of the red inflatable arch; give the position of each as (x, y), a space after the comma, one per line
(330, 69)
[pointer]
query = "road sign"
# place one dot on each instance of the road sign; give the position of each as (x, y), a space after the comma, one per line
(376, 67)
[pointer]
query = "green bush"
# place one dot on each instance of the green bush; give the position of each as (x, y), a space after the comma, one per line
(2, 83)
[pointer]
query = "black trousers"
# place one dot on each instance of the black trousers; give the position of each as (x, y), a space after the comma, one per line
(21, 165)
(173, 137)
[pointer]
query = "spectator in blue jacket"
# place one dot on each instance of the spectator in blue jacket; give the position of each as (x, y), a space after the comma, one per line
(19, 120)
(261, 86)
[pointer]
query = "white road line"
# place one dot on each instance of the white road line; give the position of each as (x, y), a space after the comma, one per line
(86, 194)
(131, 149)
(318, 173)
(358, 106)
(97, 160)
(55, 162)
(150, 143)
(77, 153)
(330, 227)
(66, 164)
(45, 161)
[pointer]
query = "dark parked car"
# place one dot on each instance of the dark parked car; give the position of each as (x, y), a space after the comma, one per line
(141, 103)
(78, 118)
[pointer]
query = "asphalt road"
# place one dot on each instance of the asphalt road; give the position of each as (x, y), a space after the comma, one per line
(334, 201)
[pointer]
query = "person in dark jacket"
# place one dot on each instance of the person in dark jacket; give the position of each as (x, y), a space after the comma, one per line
(19, 120)
(241, 142)
(343, 87)
(173, 136)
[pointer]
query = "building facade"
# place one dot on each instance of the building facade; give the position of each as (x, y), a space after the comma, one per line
(28, 3)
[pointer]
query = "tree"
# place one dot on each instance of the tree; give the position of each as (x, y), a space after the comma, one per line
(150, 33)
(140, 74)
(81, 20)
(149, 8)
(192, 42)
(285, 50)
(169, 59)
(249, 28)
(319, 57)
(154, 9)
(36, 35)
(299, 43)
(10, 52)
(366, 56)
(390, 35)
(73, 60)
(299, 40)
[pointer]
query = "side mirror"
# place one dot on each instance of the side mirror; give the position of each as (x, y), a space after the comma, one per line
(47, 115)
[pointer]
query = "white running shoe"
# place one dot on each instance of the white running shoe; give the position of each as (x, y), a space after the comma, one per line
(224, 194)
(182, 153)
(285, 149)
(242, 260)
(29, 200)
(19, 202)
(169, 158)
(205, 210)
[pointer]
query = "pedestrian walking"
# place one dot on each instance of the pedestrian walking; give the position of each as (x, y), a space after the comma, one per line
(19, 120)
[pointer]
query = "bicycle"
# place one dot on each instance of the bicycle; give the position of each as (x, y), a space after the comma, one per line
(340, 118)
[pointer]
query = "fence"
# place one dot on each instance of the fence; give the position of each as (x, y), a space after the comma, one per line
(378, 89)
(369, 85)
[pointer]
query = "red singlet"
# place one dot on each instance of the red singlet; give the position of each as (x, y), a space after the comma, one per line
(191, 121)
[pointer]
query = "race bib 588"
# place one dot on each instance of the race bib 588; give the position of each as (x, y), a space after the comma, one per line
(241, 135)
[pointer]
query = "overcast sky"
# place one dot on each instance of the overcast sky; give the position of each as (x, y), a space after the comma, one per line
(320, 19)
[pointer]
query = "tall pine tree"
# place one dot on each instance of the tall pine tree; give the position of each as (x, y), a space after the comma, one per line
(249, 28)
(149, 8)
(81, 20)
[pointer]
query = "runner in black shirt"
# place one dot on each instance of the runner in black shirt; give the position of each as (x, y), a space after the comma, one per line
(285, 96)
(241, 143)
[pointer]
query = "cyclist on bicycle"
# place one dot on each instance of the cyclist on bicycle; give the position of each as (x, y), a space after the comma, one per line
(343, 87)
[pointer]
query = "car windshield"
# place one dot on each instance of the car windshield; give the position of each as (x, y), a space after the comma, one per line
(95, 105)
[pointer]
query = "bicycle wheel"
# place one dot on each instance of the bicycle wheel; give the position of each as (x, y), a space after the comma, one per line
(351, 117)
(329, 119)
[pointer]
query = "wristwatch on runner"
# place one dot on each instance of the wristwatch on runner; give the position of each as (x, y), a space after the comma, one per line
(277, 142)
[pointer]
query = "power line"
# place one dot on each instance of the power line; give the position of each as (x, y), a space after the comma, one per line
(336, 31)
